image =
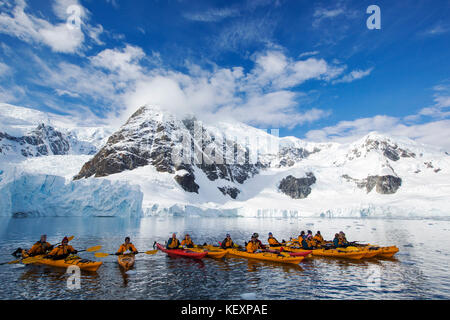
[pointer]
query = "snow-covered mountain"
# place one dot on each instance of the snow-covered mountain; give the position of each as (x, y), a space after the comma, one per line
(26, 133)
(157, 163)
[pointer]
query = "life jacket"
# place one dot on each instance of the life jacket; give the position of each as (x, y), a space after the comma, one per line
(187, 243)
(173, 243)
(39, 248)
(62, 250)
(318, 238)
(273, 242)
(336, 242)
(306, 244)
(125, 247)
(227, 243)
(252, 247)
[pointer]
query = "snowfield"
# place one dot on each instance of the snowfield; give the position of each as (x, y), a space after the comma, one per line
(44, 185)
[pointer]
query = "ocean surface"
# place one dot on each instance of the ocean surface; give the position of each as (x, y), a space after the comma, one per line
(419, 271)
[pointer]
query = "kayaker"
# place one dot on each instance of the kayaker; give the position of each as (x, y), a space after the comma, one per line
(272, 241)
(62, 251)
(338, 242)
(126, 246)
(253, 245)
(227, 242)
(306, 244)
(173, 243)
(40, 247)
(187, 241)
(318, 238)
(301, 237)
(256, 236)
(343, 240)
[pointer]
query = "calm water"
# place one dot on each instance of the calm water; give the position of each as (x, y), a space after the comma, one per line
(420, 270)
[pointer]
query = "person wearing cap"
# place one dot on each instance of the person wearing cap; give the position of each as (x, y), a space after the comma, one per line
(272, 241)
(173, 243)
(253, 245)
(40, 247)
(126, 246)
(62, 251)
(227, 242)
(256, 236)
(187, 241)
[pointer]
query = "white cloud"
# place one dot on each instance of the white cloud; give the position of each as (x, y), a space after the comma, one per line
(15, 21)
(354, 75)
(121, 80)
(212, 15)
(432, 132)
(308, 53)
(275, 69)
(4, 69)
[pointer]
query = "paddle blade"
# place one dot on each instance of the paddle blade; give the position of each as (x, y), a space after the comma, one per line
(101, 254)
(93, 249)
(151, 252)
(71, 238)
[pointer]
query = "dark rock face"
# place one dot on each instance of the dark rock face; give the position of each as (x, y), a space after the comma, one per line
(187, 182)
(36, 143)
(389, 149)
(150, 138)
(384, 184)
(297, 188)
(231, 191)
(290, 156)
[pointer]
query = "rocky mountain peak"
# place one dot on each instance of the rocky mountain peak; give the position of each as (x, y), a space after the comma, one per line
(153, 137)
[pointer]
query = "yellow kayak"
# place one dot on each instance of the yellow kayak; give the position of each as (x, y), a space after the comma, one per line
(388, 252)
(83, 264)
(126, 261)
(266, 256)
(216, 253)
(340, 253)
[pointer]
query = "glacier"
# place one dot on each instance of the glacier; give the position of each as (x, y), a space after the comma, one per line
(36, 195)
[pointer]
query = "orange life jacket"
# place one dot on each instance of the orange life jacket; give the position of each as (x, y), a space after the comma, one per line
(61, 250)
(252, 247)
(187, 242)
(39, 248)
(273, 241)
(124, 247)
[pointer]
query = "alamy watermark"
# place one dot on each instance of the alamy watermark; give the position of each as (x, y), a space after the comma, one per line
(74, 279)
(200, 146)
(74, 19)
(374, 21)
(373, 277)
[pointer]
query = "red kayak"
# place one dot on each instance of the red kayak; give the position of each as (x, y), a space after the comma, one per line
(182, 252)
(292, 254)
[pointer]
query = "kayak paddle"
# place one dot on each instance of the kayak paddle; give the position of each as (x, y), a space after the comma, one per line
(104, 255)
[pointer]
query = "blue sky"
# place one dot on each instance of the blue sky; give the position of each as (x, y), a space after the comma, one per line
(311, 68)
